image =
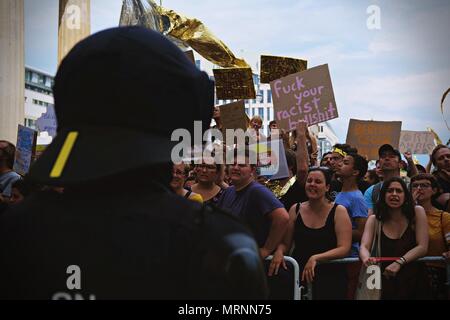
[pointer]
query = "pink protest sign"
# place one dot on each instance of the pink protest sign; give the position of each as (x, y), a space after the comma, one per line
(306, 95)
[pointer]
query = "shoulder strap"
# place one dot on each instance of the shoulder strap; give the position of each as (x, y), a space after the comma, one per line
(376, 194)
(188, 194)
(297, 209)
(376, 244)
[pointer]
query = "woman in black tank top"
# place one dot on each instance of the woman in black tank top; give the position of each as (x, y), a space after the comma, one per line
(403, 239)
(321, 231)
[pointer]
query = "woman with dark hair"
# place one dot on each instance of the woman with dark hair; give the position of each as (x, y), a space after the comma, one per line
(423, 187)
(321, 231)
(403, 238)
(207, 174)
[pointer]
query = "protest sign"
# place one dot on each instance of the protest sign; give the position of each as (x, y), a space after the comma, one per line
(47, 122)
(233, 115)
(306, 95)
(25, 149)
(369, 136)
(272, 161)
(234, 83)
(273, 67)
(416, 142)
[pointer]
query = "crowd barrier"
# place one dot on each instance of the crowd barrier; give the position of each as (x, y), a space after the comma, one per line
(287, 285)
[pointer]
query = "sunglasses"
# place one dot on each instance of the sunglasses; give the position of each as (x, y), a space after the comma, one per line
(319, 168)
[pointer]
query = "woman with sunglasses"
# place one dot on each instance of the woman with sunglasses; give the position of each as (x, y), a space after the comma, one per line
(403, 240)
(423, 188)
(321, 231)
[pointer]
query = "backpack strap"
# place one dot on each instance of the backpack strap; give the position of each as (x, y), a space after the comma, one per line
(376, 195)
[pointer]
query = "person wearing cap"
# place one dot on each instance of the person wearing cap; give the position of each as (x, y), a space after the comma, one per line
(389, 159)
(117, 232)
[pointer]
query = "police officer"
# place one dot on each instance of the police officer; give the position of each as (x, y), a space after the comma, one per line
(117, 232)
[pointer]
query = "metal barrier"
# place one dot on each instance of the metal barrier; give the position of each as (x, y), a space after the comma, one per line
(297, 294)
(308, 295)
(297, 288)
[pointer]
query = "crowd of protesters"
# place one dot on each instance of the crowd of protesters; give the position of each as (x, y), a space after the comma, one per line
(325, 212)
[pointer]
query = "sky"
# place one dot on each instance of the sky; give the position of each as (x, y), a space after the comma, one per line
(398, 72)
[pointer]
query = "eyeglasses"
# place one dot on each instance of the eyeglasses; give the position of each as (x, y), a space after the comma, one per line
(421, 185)
(319, 168)
(178, 173)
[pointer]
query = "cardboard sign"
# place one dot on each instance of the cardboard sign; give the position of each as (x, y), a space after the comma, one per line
(306, 95)
(190, 55)
(25, 149)
(233, 115)
(416, 142)
(273, 68)
(47, 122)
(369, 136)
(234, 83)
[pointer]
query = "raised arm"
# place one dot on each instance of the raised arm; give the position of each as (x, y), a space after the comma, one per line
(302, 152)
(411, 164)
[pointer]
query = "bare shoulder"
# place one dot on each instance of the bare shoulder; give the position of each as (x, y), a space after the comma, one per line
(419, 211)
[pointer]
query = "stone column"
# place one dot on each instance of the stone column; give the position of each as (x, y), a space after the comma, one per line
(12, 69)
(74, 24)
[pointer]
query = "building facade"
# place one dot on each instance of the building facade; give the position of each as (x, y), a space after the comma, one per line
(38, 95)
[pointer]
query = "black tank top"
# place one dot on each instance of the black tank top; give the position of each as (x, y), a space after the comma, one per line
(309, 241)
(410, 282)
(330, 281)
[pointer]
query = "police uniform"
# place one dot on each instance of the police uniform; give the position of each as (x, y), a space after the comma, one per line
(117, 232)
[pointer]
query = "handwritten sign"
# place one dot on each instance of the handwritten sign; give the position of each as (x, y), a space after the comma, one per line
(47, 122)
(234, 83)
(233, 115)
(369, 136)
(416, 142)
(273, 68)
(25, 149)
(306, 95)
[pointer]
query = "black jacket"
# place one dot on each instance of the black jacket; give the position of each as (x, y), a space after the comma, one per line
(139, 245)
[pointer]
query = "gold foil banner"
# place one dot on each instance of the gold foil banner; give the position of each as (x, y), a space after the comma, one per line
(273, 67)
(190, 31)
(234, 83)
